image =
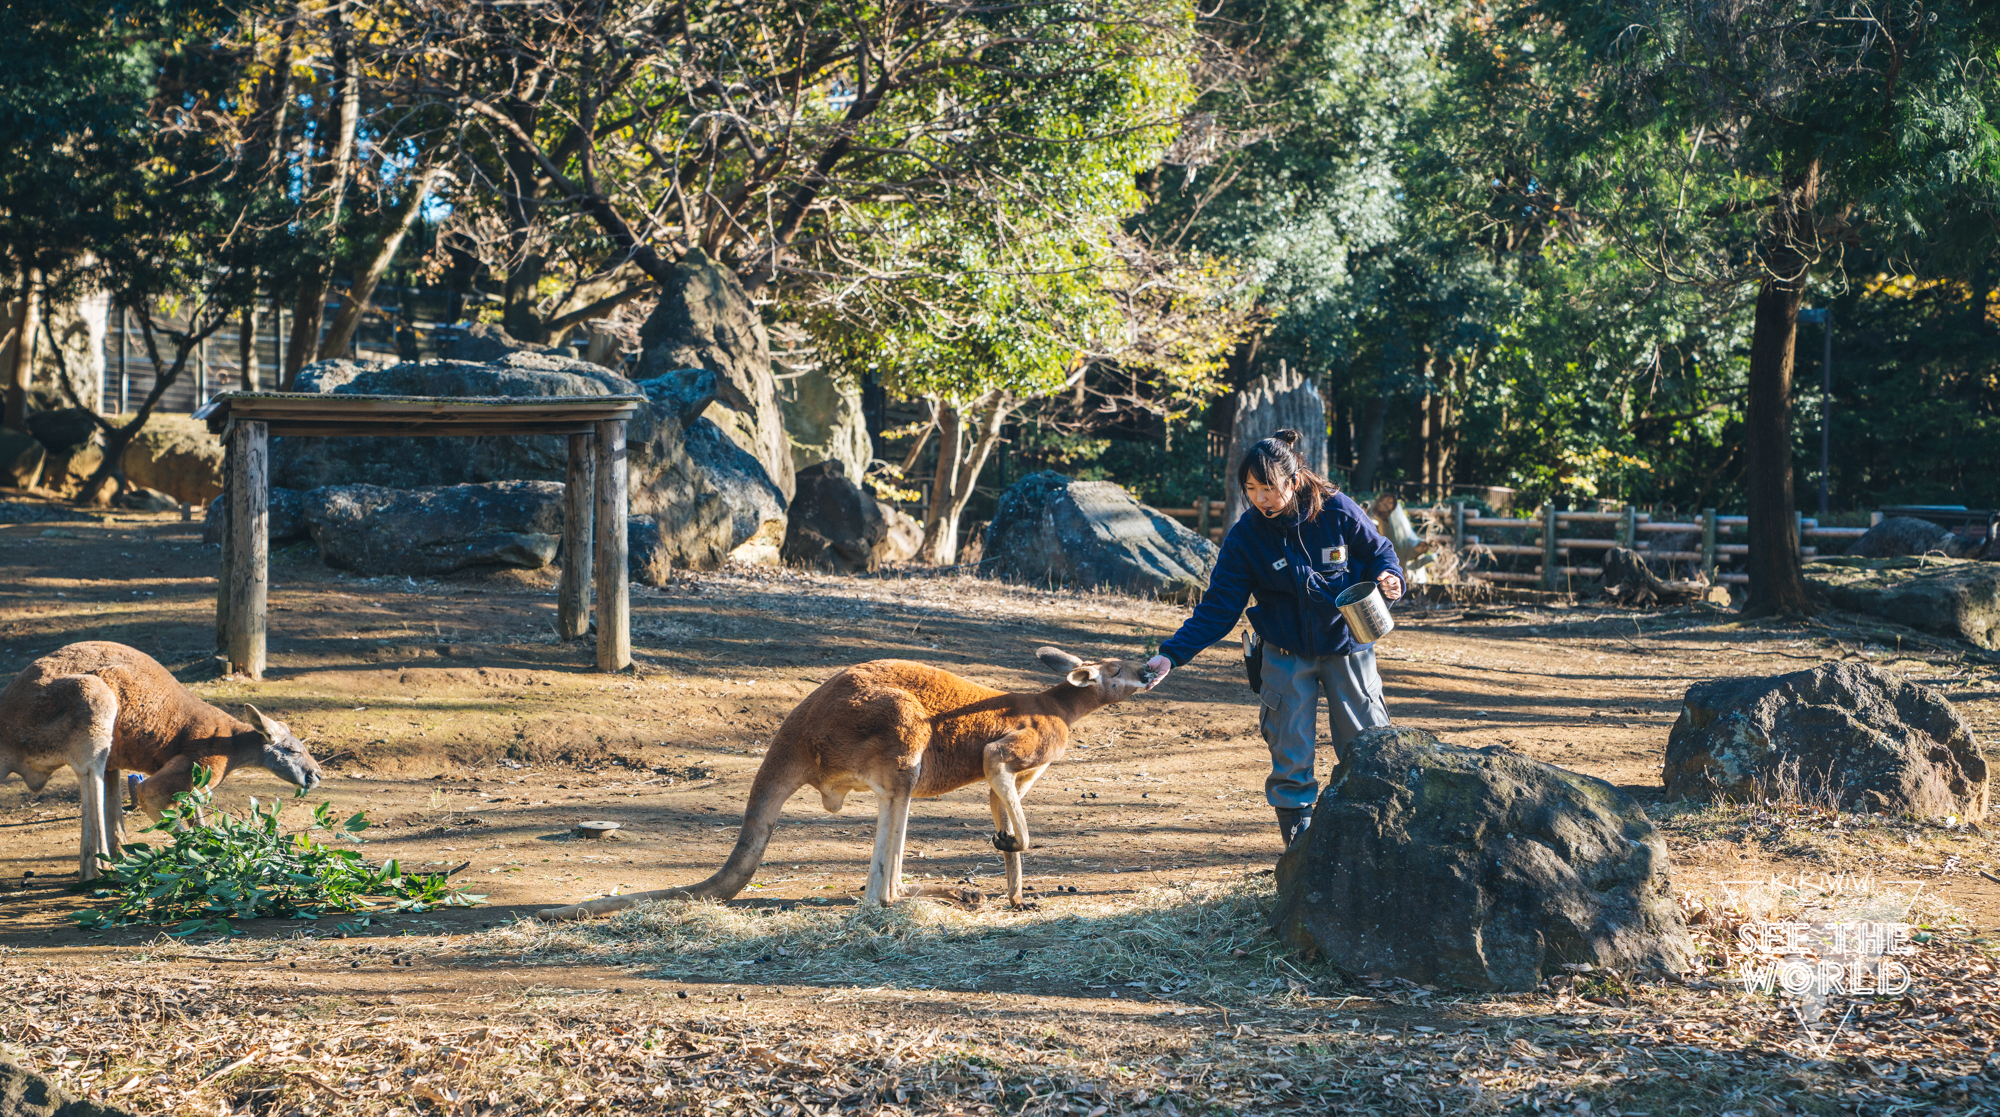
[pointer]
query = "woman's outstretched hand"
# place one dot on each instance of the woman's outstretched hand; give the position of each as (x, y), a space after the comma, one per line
(1392, 586)
(1159, 666)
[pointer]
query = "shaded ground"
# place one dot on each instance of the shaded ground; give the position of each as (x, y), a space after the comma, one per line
(448, 711)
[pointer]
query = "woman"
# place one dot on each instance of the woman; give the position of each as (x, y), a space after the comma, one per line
(1300, 543)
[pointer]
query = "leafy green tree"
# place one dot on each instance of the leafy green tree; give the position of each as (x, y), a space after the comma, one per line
(1750, 144)
(146, 167)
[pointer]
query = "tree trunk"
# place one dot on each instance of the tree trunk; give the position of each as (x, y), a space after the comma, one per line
(1416, 448)
(965, 439)
(21, 369)
(302, 347)
(1368, 458)
(1437, 455)
(341, 335)
(246, 342)
(1775, 583)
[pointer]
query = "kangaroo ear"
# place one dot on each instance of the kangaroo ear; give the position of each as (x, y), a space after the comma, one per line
(1055, 659)
(272, 730)
(1085, 676)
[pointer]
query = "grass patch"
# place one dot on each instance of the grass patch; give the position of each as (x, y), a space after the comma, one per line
(1188, 941)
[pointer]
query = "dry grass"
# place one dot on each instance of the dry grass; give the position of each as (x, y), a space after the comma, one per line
(1189, 943)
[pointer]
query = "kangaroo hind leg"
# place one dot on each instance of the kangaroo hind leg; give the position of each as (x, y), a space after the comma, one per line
(89, 714)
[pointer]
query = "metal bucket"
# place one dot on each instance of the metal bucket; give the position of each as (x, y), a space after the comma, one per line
(1366, 610)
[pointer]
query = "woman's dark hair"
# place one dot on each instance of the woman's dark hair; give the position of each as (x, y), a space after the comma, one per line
(1275, 461)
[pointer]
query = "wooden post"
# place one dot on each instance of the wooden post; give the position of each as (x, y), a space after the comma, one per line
(1201, 516)
(228, 546)
(573, 594)
(200, 373)
(1632, 526)
(1458, 530)
(614, 604)
(1550, 572)
(1708, 544)
(248, 544)
(1799, 531)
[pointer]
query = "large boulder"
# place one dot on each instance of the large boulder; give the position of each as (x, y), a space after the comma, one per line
(832, 524)
(1842, 732)
(22, 456)
(705, 319)
(1476, 869)
(1054, 529)
(647, 560)
(176, 455)
(711, 498)
(1908, 535)
(824, 422)
(311, 463)
(1953, 597)
(437, 529)
(286, 522)
(707, 496)
(905, 538)
(23, 1093)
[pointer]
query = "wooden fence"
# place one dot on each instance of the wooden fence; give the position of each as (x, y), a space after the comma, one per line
(1561, 543)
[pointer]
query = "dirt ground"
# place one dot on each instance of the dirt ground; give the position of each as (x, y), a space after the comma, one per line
(448, 711)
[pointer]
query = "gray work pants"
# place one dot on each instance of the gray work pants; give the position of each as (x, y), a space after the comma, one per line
(1289, 716)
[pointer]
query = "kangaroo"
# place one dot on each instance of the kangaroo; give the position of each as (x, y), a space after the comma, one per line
(104, 708)
(904, 730)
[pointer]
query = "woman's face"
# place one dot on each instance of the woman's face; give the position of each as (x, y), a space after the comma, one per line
(1268, 499)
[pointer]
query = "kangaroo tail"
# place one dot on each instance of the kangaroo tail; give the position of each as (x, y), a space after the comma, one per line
(776, 780)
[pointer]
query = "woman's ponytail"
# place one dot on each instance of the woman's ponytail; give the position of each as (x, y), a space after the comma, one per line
(1275, 461)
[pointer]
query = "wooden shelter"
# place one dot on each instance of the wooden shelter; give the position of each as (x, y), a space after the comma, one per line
(595, 494)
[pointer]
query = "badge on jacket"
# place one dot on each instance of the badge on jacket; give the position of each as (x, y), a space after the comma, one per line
(1279, 565)
(1328, 556)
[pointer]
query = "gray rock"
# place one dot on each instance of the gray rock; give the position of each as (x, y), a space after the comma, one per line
(286, 523)
(331, 374)
(438, 528)
(1476, 869)
(832, 524)
(707, 496)
(905, 537)
(705, 319)
(22, 456)
(1907, 535)
(141, 499)
(62, 429)
(647, 560)
(824, 422)
(1841, 732)
(1053, 529)
(1952, 597)
(23, 1093)
(176, 455)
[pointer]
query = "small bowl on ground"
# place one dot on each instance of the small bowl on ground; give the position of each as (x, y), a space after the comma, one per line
(594, 829)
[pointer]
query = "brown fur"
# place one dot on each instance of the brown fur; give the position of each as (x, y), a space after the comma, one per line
(906, 730)
(102, 709)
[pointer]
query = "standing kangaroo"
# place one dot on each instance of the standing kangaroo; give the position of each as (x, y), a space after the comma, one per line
(904, 730)
(104, 708)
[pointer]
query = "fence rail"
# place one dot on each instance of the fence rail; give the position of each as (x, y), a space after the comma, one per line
(1640, 531)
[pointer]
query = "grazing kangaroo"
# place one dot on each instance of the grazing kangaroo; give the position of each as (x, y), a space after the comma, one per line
(904, 730)
(104, 708)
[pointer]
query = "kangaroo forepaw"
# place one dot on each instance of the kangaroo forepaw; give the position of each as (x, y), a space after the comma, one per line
(1008, 843)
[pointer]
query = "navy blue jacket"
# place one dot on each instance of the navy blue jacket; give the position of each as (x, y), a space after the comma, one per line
(1296, 567)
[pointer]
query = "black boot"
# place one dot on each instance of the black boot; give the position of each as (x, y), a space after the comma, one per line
(1292, 821)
